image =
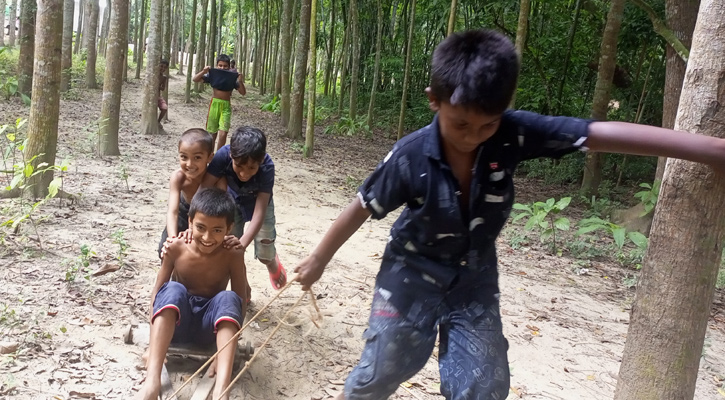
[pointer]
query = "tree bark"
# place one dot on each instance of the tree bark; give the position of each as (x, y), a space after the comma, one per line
(27, 46)
(355, 72)
(67, 44)
(567, 56)
(191, 49)
(521, 32)
(294, 129)
(2, 22)
(376, 72)
(212, 35)
(202, 41)
(671, 310)
(104, 30)
(44, 106)
(452, 18)
(330, 50)
(681, 17)
(141, 39)
(129, 31)
(308, 149)
(113, 77)
(11, 22)
(149, 107)
(285, 61)
(602, 92)
(137, 29)
(406, 78)
(166, 52)
(90, 39)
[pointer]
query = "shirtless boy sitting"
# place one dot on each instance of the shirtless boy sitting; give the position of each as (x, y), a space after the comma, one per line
(195, 306)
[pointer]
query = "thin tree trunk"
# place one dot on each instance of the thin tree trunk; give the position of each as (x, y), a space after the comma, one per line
(406, 79)
(257, 45)
(67, 44)
(344, 62)
(308, 149)
(285, 60)
(149, 107)
(112, 80)
(212, 35)
(79, 27)
(179, 53)
(141, 39)
(104, 30)
(355, 72)
(190, 50)
(174, 45)
(376, 72)
(672, 307)
(294, 130)
(521, 32)
(602, 91)
(27, 46)
(330, 50)
(137, 29)
(166, 49)
(11, 22)
(129, 31)
(200, 60)
(567, 56)
(276, 71)
(2, 22)
(681, 18)
(44, 106)
(452, 18)
(91, 34)
(338, 65)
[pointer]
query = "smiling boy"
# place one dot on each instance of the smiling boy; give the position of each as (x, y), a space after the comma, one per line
(195, 306)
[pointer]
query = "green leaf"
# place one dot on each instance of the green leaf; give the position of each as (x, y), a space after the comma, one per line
(638, 239)
(63, 328)
(562, 224)
(544, 224)
(16, 180)
(522, 207)
(530, 224)
(563, 203)
(550, 202)
(28, 170)
(26, 99)
(518, 217)
(546, 234)
(645, 185)
(618, 234)
(54, 186)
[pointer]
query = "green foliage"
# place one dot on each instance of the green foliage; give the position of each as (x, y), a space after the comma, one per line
(80, 264)
(118, 238)
(349, 127)
(542, 216)
(273, 105)
(8, 79)
(648, 197)
(618, 233)
(123, 174)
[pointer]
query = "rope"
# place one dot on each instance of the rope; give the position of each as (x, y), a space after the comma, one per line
(233, 338)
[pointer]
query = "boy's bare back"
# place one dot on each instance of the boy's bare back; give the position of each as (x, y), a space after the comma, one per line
(204, 274)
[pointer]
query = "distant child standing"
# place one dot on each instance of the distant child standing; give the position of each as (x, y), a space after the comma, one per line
(454, 178)
(249, 173)
(223, 82)
(163, 81)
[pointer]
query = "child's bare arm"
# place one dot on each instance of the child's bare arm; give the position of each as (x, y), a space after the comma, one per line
(311, 268)
(200, 75)
(241, 88)
(238, 273)
(260, 210)
(172, 214)
(628, 138)
(164, 274)
(210, 181)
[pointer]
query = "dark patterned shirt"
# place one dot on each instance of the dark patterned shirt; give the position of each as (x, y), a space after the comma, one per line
(435, 250)
(244, 193)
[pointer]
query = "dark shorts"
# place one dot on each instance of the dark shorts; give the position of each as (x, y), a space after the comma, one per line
(198, 316)
(182, 222)
(471, 358)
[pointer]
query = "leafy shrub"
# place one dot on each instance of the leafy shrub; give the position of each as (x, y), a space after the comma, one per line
(542, 217)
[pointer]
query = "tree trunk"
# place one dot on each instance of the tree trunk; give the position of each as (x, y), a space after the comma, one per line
(141, 39)
(112, 81)
(308, 149)
(2, 22)
(44, 106)
(567, 56)
(27, 46)
(190, 50)
(376, 72)
(670, 314)
(129, 30)
(212, 35)
(11, 21)
(179, 47)
(67, 56)
(521, 32)
(276, 71)
(355, 72)
(166, 48)
(294, 129)
(406, 79)
(257, 44)
(104, 30)
(202, 41)
(681, 18)
(149, 107)
(344, 62)
(602, 91)
(285, 60)
(452, 18)
(330, 50)
(173, 45)
(137, 29)
(90, 37)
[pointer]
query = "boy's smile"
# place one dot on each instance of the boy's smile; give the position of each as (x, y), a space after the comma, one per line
(245, 171)
(208, 232)
(193, 159)
(222, 65)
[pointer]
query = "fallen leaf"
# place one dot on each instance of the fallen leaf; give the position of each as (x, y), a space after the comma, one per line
(107, 268)
(82, 395)
(722, 392)
(8, 347)
(406, 384)
(590, 377)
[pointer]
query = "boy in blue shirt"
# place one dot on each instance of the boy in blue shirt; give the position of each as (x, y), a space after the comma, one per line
(249, 172)
(439, 270)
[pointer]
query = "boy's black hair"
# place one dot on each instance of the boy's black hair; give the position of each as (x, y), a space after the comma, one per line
(223, 57)
(198, 135)
(233, 62)
(165, 62)
(248, 143)
(213, 202)
(476, 69)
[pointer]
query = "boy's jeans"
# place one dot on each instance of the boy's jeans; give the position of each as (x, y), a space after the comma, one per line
(262, 251)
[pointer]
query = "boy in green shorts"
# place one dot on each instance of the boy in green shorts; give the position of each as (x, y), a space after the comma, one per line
(223, 82)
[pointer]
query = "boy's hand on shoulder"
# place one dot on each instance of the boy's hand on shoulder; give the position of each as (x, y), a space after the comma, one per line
(309, 271)
(232, 242)
(184, 236)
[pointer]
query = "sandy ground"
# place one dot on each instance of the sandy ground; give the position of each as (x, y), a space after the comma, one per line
(566, 329)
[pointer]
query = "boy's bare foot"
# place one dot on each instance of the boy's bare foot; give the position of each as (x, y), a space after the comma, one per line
(150, 390)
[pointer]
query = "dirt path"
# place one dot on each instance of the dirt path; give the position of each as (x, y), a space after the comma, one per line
(566, 329)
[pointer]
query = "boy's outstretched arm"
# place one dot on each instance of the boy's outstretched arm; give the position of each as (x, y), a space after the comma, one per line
(311, 268)
(200, 75)
(628, 138)
(238, 274)
(260, 210)
(172, 214)
(241, 88)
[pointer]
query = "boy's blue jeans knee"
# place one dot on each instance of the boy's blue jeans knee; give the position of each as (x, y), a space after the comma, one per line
(471, 358)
